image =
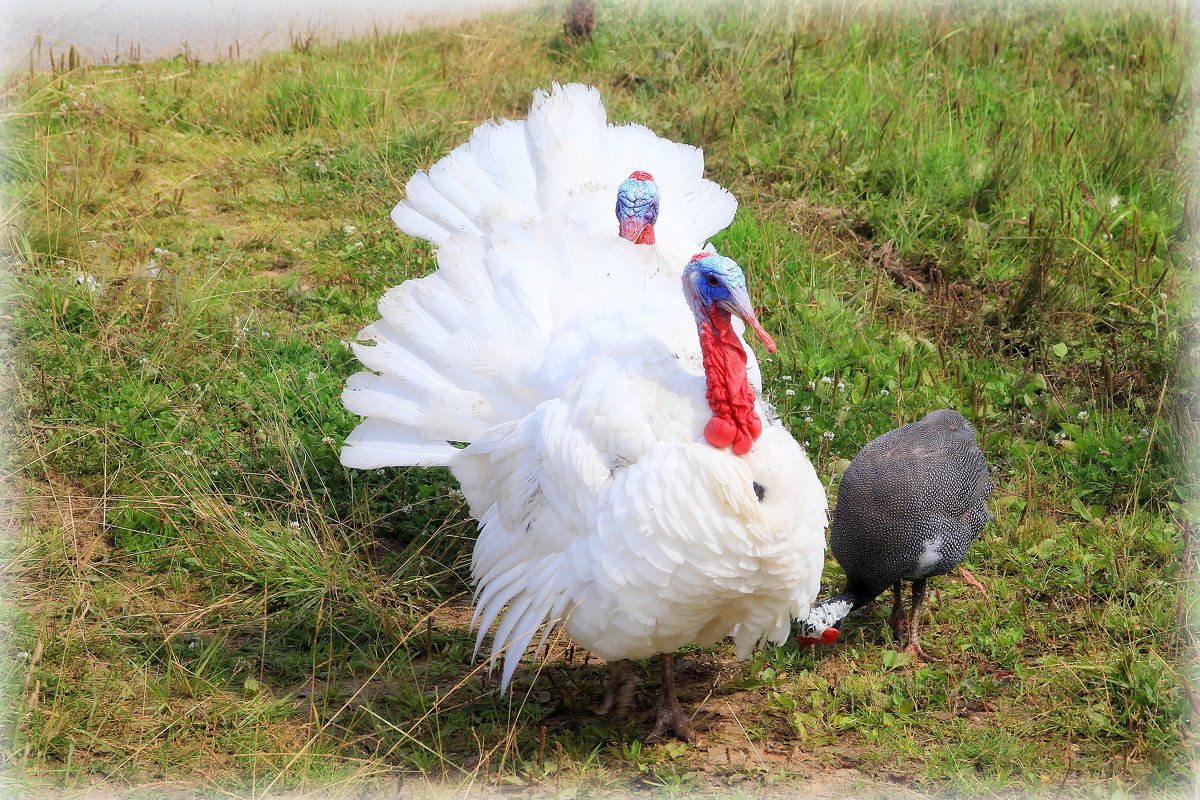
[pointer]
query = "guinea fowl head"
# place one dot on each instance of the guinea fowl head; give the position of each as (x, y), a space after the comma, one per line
(715, 288)
(637, 208)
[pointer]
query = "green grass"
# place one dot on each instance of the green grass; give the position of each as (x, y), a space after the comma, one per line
(980, 207)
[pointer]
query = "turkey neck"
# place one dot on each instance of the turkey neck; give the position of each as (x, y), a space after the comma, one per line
(730, 397)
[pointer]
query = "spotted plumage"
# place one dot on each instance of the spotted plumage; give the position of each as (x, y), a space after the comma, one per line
(909, 505)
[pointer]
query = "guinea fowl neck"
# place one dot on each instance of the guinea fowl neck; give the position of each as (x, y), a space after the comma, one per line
(730, 396)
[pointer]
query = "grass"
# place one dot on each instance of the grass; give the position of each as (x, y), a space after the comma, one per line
(980, 207)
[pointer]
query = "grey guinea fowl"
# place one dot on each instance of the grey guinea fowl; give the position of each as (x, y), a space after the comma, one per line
(909, 505)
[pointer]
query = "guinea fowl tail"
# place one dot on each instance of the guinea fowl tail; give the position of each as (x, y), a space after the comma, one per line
(458, 351)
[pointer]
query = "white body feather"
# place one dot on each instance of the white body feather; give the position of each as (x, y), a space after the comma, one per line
(568, 359)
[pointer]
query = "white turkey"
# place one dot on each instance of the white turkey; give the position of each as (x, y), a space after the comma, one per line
(630, 486)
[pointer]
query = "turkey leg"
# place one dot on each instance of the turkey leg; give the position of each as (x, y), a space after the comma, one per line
(671, 719)
(618, 690)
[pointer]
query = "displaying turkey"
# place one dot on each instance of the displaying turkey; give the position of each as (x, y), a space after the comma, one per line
(630, 486)
(908, 507)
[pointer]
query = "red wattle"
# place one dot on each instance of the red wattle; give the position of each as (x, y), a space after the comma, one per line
(734, 421)
(720, 432)
(646, 236)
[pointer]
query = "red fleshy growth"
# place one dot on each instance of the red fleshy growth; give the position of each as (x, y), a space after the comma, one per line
(641, 176)
(636, 231)
(734, 421)
(828, 636)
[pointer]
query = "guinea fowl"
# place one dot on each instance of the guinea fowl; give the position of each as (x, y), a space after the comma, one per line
(908, 507)
(630, 487)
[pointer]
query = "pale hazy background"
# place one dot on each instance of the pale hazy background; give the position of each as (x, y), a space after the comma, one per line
(104, 29)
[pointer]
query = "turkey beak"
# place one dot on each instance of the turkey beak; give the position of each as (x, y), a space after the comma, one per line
(738, 303)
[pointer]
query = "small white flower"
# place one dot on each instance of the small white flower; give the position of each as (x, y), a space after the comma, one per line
(789, 392)
(808, 408)
(811, 386)
(294, 524)
(828, 434)
(1114, 201)
(359, 245)
(188, 453)
(1112, 66)
(1082, 415)
(770, 360)
(785, 377)
(1144, 432)
(310, 377)
(841, 387)
(143, 360)
(884, 392)
(406, 509)
(327, 440)
(196, 386)
(24, 654)
(808, 420)
(350, 228)
(826, 379)
(1060, 435)
(241, 374)
(1162, 295)
(162, 251)
(88, 282)
(804, 443)
(929, 75)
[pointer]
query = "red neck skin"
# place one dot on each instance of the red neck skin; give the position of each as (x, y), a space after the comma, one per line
(630, 231)
(734, 421)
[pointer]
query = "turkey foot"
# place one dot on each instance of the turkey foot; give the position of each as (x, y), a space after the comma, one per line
(971, 580)
(618, 690)
(671, 719)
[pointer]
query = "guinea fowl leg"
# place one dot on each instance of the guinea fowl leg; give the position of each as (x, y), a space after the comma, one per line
(897, 611)
(914, 620)
(618, 690)
(671, 719)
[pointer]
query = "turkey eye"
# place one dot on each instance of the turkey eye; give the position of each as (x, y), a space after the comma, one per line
(712, 280)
